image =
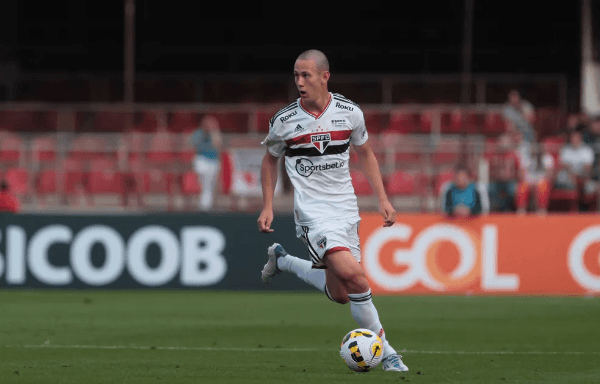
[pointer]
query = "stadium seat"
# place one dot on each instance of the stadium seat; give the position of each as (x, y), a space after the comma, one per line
(46, 182)
(75, 179)
(157, 187)
(104, 179)
(452, 122)
(447, 152)
(43, 149)
(87, 147)
(361, 184)
(190, 184)
(376, 121)
(425, 121)
(401, 122)
(156, 181)
(162, 147)
(401, 183)
(11, 148)
(262, 120)
(183, 121)
(18, 179)
(147, 121)
(494, 124)
(441, 179)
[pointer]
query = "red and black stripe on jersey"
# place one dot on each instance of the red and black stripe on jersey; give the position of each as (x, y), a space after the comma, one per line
(293, 151)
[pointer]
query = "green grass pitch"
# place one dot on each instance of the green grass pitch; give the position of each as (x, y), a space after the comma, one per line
(237, 337)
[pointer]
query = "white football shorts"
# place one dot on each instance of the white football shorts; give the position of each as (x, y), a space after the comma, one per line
(329, 236)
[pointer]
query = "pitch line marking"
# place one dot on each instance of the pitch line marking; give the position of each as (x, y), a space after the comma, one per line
(269, 349)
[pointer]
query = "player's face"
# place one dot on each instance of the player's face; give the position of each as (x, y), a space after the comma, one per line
(311, 82)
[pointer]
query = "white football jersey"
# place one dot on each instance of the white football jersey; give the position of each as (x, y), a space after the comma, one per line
(317, 156)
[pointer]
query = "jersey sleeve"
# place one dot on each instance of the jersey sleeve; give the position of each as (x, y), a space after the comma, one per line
(274, 142)
(359, 134)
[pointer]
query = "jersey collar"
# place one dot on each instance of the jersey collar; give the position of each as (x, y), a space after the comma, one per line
(322, 112)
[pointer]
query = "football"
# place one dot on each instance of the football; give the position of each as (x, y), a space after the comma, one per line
(362, 350)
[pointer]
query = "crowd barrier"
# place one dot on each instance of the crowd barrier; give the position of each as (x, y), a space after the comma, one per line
(420, 254)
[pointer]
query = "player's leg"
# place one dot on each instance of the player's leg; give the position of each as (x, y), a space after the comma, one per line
(279, 260)
(352, 277)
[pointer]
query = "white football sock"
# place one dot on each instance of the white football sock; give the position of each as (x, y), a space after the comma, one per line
(365, 314)
(304, 270)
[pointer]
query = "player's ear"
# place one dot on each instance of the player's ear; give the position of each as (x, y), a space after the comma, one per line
(326, 76)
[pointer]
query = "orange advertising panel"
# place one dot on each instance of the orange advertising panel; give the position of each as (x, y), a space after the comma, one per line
(497, 254)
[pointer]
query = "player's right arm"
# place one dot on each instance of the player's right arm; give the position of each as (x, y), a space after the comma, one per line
(268, 173)
(268, 178)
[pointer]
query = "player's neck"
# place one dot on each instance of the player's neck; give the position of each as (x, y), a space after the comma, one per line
(318, 105)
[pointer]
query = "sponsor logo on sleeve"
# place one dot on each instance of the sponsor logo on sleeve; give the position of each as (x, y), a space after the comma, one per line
(342, 106)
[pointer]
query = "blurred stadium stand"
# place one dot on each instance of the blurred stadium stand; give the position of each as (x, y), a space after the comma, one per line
(66, 142)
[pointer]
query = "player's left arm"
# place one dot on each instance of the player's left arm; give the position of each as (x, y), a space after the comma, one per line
(370, 166)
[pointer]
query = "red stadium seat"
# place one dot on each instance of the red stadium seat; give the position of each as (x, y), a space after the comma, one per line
(376, 121)
(447, 152)
(105, 181)
(162, 147)
(156, 181)
(149, 121)
(11, 147)
(401, 122)
(441, 179)
(494, 124)
(183, 121)
(75, 179)
(402, 183)
(425, 121)
(87, 147)
(18, 179)
(44, 149)
(361, 184)
(46, 182)
(190, 184)
(262, 120)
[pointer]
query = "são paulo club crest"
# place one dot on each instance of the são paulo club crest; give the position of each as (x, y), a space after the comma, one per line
(321, 141)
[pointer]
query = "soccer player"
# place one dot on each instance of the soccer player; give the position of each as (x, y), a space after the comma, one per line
(315, 133)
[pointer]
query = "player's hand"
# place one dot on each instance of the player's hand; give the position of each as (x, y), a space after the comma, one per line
(264, 221)
(388, 212)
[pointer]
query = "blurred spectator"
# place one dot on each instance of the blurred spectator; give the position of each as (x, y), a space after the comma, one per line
(584, 127)
(575, 168)
(462, 197)
(8, 201)
(520, 115)
(504, 171)
(207, 141)
(537, 173)
(595, 145)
